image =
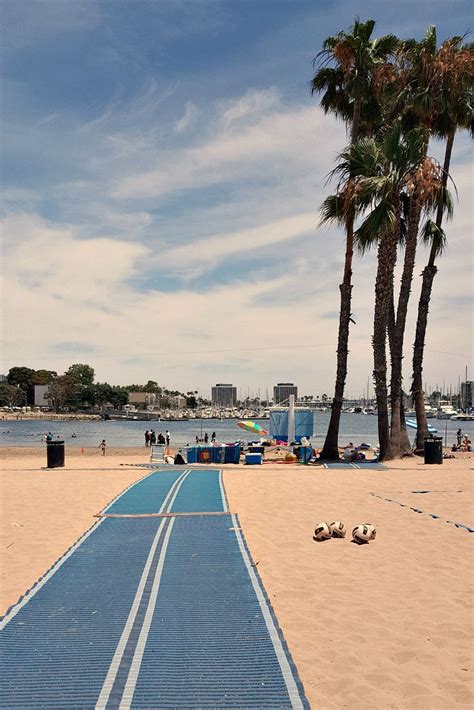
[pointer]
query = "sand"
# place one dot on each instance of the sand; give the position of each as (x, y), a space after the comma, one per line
(384, 625)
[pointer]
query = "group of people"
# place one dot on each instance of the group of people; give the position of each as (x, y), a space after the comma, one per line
(353, 453)
(152, 438)
(205, 440)
(463, 443)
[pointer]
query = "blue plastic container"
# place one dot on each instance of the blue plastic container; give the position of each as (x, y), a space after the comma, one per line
(232, 454)
(252, 459)
(192, 455)
(218, 455)
(305, 453)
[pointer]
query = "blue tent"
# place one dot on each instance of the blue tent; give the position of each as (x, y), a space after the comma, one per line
(279, 423)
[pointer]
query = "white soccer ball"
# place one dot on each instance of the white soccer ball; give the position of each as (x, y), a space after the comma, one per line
(322, 531)
(372, 528)
(363, 533)
(337, 529)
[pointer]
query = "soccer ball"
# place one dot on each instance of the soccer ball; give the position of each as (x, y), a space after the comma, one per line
(337, 529)
(363, 533)
(322, 531)
(373, 529)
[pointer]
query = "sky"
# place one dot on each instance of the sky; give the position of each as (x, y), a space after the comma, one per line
(163, 168)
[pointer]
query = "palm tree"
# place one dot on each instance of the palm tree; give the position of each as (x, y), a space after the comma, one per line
(377, 176)
(423, 194)
(348, 92)
(448, 76)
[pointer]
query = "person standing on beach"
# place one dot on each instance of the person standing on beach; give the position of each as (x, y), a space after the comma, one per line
(103, 446)
(147, 438)
(459, 436)
(152, 437)
(168, 437)
(206, 438)
(213, 437)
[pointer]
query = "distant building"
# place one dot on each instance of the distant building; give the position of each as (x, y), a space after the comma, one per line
(178, 402)
(142, 399)
(3, 378)
(466, 394)
(224, 395)
(41, 396)
(282, 391)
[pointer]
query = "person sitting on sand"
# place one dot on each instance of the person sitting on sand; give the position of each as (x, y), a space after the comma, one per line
(348, 451)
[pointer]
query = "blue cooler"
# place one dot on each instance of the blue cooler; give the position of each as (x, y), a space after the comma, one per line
(305, 453)
(232, 454)
(252, 459)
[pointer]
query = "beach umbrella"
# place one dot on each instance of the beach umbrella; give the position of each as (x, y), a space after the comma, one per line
(412, 424)
(252, 426)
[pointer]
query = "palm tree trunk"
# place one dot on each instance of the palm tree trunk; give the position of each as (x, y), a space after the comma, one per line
(400, 323)
(429, 272)
(330, 449)
(387, 256)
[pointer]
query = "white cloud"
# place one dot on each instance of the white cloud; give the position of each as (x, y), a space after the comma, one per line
(204, 253)
(191, 112)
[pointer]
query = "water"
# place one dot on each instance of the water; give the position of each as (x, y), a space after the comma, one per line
(356, 428)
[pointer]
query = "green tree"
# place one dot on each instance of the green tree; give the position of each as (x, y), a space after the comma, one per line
(23, 377)
(62, 392)
(348, 92)
(11, 396)
(448, 75)
(82, 375)
(44, 377)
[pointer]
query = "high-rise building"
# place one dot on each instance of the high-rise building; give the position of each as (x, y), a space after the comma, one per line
(282, 391)
(224, 395)
(466, 394)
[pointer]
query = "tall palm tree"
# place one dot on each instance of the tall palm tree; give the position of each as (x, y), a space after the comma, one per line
(448, 74)
(423, 194)
(348, 92)
(377, 174)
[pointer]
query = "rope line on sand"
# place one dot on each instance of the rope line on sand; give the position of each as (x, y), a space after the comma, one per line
(417, 510)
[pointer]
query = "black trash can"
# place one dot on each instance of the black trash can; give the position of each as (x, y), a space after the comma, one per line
(55, 453)
(434, 449)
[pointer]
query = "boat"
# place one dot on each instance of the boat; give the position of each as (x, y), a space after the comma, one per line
(446, 412)
(461, 417)
(413, 425)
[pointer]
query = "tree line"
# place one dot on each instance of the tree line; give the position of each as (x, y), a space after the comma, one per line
(77, 389)
(395, 96)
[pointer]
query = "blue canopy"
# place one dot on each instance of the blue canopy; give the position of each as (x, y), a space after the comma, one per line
(413, 425)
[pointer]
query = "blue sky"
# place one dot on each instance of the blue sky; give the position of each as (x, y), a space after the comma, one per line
(163, 166)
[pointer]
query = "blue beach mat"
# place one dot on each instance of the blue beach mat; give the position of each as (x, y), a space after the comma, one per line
(175, 490)
(150, 612)
(356, 464)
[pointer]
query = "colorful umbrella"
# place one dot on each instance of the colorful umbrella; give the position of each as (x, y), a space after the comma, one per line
(252, 426)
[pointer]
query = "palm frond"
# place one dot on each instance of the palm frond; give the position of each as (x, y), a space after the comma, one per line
(382, 218)
(431, 234)
(333, 209)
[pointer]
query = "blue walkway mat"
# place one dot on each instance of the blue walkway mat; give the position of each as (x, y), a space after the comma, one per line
(368, 465)
(59, 640)
(176, 490)
(149, 613)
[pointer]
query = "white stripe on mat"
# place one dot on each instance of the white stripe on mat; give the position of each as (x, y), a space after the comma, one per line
(221, 484)
(127, 629)
(119, 651)
(129, 690)
(276, 641)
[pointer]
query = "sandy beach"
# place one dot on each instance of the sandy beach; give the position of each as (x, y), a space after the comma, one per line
(385, 625)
